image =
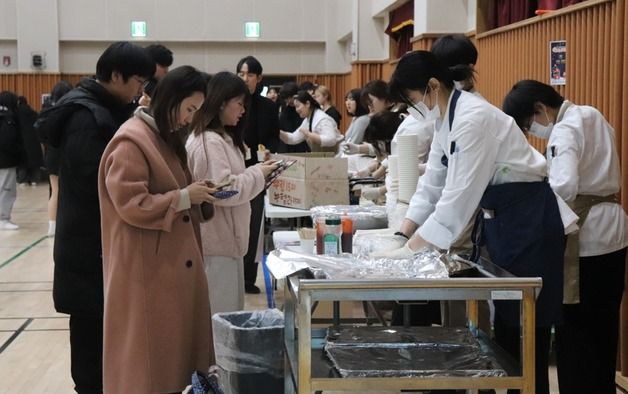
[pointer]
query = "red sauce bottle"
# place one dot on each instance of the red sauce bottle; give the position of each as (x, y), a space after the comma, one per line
(347, 234)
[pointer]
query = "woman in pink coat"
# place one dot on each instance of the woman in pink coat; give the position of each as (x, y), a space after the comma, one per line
(216, 152)
(157, 327)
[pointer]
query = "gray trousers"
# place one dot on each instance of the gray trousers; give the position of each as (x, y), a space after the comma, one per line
(8, 191)
(225, 279)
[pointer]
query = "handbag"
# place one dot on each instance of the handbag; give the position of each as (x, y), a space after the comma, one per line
(205, 383)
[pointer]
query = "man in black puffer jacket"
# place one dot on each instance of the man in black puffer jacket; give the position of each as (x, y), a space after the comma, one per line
(80, 125)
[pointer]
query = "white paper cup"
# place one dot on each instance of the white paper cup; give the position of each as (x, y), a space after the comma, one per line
(261, 156)
(307, 245)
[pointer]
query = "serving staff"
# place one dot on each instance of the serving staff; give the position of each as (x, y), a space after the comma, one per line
(584, 170)
(480, 157)
(318, 129)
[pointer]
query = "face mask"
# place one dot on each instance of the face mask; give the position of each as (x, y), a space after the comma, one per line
(541, 131)
(421, 111)
(458, 85)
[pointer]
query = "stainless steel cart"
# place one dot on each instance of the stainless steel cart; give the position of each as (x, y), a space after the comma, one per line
(307, 368)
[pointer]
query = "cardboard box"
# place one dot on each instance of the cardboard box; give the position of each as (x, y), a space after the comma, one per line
(319, 165)
(308, 193)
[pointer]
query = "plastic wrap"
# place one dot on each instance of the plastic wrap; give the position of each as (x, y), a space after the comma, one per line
(249, 342)
(408, 352)
(364, 218)
(424, 265)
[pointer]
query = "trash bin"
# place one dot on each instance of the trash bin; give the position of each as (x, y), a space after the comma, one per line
(249, 350)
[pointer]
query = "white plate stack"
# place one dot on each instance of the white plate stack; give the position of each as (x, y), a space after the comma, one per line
(407, 166)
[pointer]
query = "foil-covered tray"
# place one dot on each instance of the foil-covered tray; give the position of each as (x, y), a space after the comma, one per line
(399, 336)
(408, 352)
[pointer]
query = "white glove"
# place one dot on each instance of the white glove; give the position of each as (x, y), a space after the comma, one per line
(388, 243)
(363, 173)
(371, 193)
(350, 148)
(397, 254)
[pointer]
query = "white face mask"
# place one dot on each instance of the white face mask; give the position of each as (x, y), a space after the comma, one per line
(458, 85)
(541, 131)
(420, 110)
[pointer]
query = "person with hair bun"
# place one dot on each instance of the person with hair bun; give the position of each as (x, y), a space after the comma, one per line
(457, 52)
(318, 129)
(480, 157)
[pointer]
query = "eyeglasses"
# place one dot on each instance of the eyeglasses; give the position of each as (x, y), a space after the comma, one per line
(142, 82)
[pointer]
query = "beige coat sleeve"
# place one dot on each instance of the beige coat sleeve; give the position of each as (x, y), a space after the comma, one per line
(127, 175)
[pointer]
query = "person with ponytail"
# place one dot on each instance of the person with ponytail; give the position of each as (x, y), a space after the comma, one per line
(480, 157)
(318, 129)
(457, 52)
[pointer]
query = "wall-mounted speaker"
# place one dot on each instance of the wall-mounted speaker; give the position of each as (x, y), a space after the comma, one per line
(38, 60)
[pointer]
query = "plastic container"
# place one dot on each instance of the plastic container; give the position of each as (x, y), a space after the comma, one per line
(332, 237)
(347, 235)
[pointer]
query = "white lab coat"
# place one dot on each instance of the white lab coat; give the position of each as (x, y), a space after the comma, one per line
(323, 125)
(485, 147)
(582, 159)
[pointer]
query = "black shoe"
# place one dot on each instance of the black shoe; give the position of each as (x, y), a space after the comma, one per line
(251, 289)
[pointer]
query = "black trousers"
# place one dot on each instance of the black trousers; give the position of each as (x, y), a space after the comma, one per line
(508, 337)
(250, 265)
(86, 338)
(586, 342)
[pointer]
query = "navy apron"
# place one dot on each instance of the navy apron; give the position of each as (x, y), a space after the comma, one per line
(523, 234)
(521, 227)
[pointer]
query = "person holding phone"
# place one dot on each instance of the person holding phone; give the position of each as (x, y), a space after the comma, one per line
(157, 325)
(216, 152)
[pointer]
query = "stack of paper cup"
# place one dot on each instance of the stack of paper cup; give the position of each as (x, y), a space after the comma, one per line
(393, 173)
(407, 166)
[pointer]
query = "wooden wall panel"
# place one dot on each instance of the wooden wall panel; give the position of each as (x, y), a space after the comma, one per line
(32, 86)
(597, 48)
(340, 84)
(424, 42)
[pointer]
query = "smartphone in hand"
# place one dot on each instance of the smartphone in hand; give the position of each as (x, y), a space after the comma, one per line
(222, 194)
(282, 165)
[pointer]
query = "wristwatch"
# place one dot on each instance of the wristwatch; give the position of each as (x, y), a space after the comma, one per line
(401, 234)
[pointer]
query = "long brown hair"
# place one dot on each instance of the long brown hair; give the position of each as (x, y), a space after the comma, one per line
(222, 87)
(172, 89)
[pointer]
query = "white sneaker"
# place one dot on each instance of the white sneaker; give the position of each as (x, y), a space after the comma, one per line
(8, 225)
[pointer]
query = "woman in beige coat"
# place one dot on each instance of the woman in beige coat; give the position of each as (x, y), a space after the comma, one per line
(216, 152)
(157, 327)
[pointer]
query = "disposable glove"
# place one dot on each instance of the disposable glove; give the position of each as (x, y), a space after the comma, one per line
(397, 254)
(351, 148)
(371, 193)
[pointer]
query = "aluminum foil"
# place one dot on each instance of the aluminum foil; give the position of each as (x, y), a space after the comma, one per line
(364, 218)
(399, 336)
(424, 265)
(408, 352)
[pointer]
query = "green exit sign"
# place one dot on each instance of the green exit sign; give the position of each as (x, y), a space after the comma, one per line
(138, 29)
(251, 29)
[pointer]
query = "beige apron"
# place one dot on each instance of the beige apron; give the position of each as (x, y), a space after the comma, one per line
(571, 281)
